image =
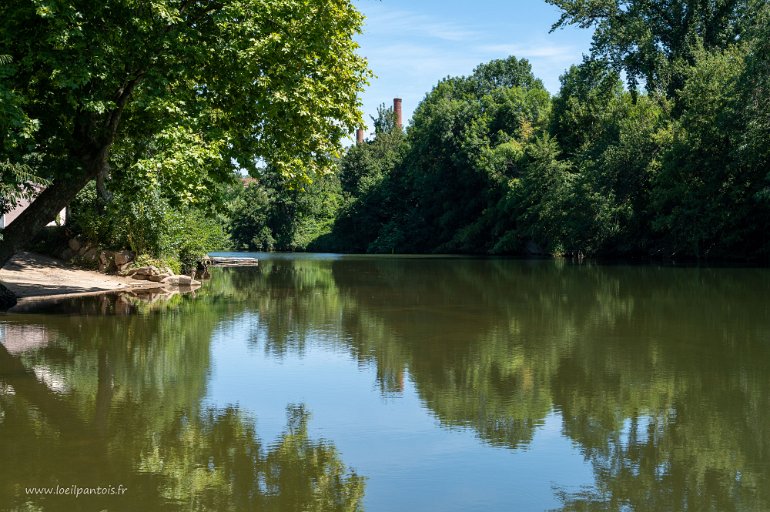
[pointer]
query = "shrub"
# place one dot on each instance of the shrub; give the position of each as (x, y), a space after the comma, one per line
(148, 225)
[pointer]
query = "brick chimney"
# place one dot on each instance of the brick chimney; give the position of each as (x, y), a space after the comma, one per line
(360, 136)
(397, 112)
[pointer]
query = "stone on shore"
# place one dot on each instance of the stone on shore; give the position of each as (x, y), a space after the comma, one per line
(106, 261)
(143, 272)
(123, 257)
(164, 276)
(180, 281)
(91, 255)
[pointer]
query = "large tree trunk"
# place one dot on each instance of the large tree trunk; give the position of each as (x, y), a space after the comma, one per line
(46, 207)
(94, 136)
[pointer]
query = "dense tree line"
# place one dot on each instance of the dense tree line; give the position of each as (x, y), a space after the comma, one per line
(672, 163)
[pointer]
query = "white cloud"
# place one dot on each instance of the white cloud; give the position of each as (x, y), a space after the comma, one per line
(401, 24)
(542, 51)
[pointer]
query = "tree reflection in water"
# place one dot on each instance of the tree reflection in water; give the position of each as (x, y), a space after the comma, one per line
(216, 462)
(103, 402)
(661, 377)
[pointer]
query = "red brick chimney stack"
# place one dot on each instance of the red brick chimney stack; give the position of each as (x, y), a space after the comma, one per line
(397, 112)
(360, 136)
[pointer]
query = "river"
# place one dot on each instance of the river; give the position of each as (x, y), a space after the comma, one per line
(325, 383)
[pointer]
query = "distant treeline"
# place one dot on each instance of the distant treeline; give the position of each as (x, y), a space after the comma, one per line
(674, 164)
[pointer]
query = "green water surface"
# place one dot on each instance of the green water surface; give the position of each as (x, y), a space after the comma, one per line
(330, 383)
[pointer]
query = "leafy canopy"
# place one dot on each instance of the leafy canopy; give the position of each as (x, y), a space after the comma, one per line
(645, 38)
(252, 80)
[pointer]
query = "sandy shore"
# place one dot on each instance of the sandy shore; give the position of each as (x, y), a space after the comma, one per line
(32, 276)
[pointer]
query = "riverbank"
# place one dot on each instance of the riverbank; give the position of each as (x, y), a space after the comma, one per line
(32, 276)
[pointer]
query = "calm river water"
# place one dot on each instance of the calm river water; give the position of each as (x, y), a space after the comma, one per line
(325, 383)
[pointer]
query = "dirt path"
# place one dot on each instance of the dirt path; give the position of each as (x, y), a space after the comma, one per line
(32, 275)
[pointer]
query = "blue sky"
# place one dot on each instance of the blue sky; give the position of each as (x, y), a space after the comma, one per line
(411, 45)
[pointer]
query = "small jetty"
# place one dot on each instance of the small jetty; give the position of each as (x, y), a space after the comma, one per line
(226, 261)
